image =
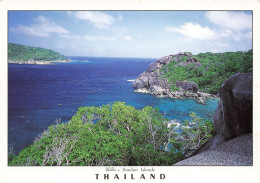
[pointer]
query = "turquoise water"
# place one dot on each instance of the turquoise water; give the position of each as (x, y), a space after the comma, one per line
(40, 94)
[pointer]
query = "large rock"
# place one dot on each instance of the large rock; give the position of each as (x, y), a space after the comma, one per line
(233, 116)
(187, 86)
(142, 81)
(233, 123)
(152, 83)
(153, 66)
(234, 152)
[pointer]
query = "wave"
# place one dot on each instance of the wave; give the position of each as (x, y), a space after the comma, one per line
(131, 80)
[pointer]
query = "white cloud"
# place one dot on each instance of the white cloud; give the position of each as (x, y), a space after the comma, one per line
(237, 21)
(119, 30)
(235, 35)
(120, 17)
(100, 20)
(194, 31)
(42, 28)
(128, 38)
(69, 36)
(225, 32)
(248, 35)
(102, 38)
(219, 44)
(238, 36)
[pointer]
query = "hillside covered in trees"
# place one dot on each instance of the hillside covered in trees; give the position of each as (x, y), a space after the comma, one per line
(18, 53)
(213, 70)
(197, 76)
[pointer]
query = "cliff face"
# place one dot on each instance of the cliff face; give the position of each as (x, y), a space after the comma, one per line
(152, 80)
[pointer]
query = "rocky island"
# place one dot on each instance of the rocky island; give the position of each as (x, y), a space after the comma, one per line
(21, 54)
(153, 81)
(194, 76)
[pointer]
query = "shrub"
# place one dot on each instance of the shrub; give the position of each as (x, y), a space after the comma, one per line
(122, 135)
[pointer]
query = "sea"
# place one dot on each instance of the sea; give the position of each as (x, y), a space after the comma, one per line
(38, 95)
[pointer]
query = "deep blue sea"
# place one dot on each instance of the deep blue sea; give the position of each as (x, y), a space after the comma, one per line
(40, 94)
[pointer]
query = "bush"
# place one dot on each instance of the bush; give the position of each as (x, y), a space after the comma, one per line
(116, 135)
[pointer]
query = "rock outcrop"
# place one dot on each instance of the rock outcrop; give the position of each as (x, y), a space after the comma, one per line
(233, 123)
(152, 80)
(234, 152)
(187, 86)
(233, 116)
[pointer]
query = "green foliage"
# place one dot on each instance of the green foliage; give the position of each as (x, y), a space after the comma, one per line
(17, 52)
(195, 133)
(215, 69)
(179, 73)
(121, 136)
(115, 134)
(188, 53)
(184, 58)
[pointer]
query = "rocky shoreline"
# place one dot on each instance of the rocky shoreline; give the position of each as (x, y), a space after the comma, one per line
(200, 97)
(44, 62)
(152, 81)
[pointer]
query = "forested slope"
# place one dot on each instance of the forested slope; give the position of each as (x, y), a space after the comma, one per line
(214, 69)
(17, 52)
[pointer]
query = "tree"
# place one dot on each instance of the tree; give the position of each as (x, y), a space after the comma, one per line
(115, 134)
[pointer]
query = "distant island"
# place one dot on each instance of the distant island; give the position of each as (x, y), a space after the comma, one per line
(22, 54)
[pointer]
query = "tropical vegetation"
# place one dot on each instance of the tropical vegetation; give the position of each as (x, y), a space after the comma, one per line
(214, 70)
(120, 135)
(115, 134)
(17, 52)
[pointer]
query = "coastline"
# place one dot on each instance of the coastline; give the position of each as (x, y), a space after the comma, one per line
(200, 97)
(42, 62)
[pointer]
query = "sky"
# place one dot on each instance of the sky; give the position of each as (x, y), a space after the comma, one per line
(144, 34)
